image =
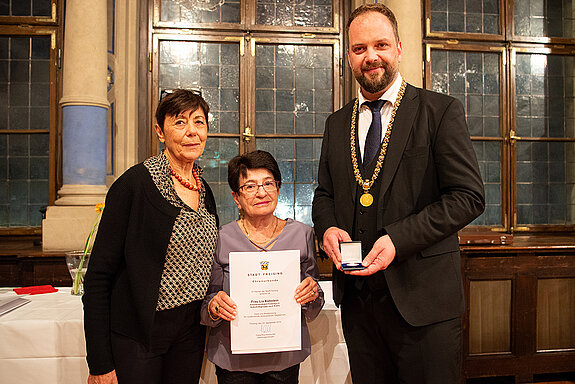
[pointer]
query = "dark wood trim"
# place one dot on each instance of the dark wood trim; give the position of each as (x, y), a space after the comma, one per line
(247, 22)
(144, 149)
(463, 35)
(20, 231)
(534, 243)
(18, 26)
(23, 263)
(530, 258)
(248, 35)
(53, 19)
(523, 367)
(506, 13)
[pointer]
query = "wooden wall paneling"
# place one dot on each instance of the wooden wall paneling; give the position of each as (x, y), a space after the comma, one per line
(555, 314)
(541, 272)
(490, 316)
(43, 270)
(525, 300)
(9, 271)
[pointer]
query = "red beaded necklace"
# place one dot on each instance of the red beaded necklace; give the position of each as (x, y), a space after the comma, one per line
(186, 183)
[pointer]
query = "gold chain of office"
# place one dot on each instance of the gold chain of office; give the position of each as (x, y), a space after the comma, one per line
(367, 198)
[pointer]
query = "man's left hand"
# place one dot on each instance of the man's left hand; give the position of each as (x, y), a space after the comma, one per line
(378, 259)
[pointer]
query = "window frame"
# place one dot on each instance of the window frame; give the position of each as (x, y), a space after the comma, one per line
(511, 36)
(248, 9)
(510, 44)
(249, 36)
(35, 20)
(503, 108)
(463, 35)
(23, 26)
(514, 139)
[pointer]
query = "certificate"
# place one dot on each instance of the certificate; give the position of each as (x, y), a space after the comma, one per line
(263, 284)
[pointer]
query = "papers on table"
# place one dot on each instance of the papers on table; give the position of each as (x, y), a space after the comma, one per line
(8, 304)
(263, 284)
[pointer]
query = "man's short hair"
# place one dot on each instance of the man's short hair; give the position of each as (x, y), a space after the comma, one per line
(377, 7)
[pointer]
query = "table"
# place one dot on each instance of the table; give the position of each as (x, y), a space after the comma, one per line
(43, 342)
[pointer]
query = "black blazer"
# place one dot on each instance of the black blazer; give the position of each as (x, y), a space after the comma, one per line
(430, 188)
(123, 281)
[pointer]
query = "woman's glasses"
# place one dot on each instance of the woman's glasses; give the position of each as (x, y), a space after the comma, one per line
(252, 188)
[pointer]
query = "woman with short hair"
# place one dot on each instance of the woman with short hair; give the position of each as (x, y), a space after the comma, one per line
(255, 180)
(151, 261)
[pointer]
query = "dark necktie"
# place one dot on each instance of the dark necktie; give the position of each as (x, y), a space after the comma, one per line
(373, 138)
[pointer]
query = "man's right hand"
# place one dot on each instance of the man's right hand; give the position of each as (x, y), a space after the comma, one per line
(106, 378)
(331, 239)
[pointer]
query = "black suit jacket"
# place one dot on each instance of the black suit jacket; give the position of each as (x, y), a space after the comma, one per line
(430, 188)
(123, 281)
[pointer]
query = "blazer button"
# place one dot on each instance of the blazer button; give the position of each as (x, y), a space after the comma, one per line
(361, 231)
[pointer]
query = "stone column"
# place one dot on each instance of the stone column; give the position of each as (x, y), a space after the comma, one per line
(84, 126)
(409, 18)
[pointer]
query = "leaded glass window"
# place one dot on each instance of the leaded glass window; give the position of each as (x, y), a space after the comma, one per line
(268, 70)
(298, 160)
(517, 86)
(465, 16)
(195, 11)
(544, 105)
(24, 127)
(214, 161)
(294, 96)
(294, 88)
(310, 13)
(474, 79)
(544, 18)
(213, 69)
(36, 8)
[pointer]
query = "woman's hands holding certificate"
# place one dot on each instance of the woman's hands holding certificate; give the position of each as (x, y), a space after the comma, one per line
(222, 306)
(306, 291)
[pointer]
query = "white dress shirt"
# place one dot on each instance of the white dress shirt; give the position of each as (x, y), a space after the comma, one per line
(365, 114)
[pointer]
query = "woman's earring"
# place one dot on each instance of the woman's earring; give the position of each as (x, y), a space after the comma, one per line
(240, 214)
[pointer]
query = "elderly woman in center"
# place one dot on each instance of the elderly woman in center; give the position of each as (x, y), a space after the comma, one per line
(255, 180)
(151, 261)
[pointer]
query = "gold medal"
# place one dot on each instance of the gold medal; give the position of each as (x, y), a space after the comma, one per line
(366, 199)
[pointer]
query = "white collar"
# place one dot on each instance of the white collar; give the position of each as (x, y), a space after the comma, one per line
(390, 94)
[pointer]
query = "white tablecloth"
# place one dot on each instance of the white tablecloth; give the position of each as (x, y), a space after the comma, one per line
(42, 342)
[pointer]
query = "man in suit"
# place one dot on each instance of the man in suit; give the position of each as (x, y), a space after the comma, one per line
(400, 176)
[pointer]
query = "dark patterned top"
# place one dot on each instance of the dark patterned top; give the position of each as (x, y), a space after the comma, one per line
(189, 256)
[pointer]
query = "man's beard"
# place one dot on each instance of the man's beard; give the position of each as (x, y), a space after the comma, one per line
(376, 84)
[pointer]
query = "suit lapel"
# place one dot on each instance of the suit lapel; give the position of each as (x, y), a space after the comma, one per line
(402, 127)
